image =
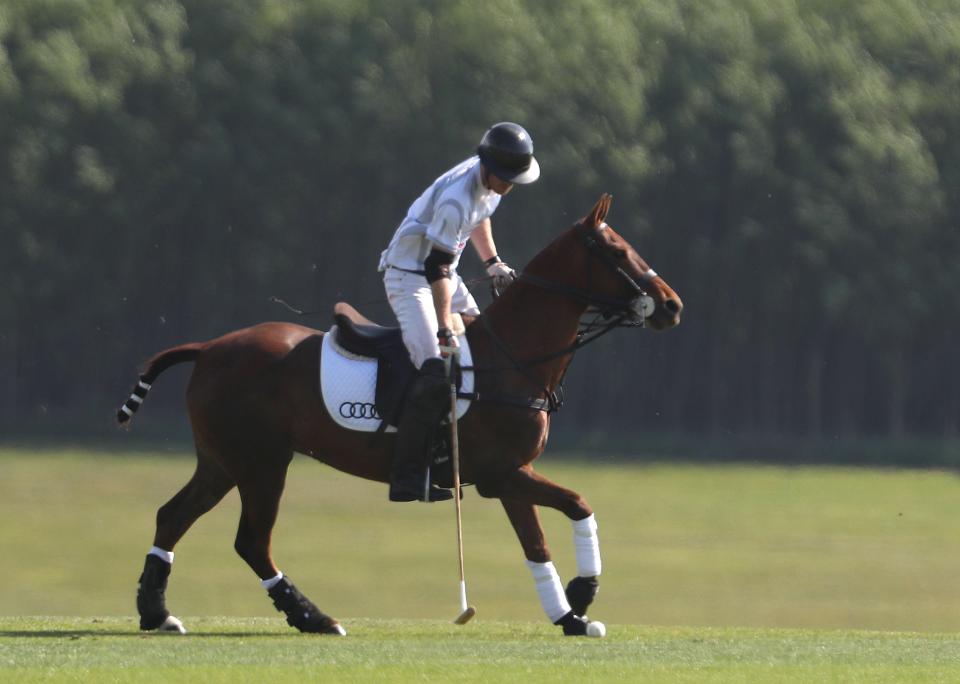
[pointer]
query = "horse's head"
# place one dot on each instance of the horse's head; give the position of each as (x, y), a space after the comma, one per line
(619, 279)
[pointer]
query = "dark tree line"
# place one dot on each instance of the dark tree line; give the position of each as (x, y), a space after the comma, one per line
(793, 169)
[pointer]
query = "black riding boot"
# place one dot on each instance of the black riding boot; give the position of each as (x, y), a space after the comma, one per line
(427, 402)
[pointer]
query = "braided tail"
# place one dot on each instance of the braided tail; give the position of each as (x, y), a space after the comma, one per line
(156, 365)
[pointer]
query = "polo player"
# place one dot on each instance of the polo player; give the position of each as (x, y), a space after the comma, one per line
(420, 276)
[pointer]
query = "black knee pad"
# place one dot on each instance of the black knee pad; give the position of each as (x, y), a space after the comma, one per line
(433, 368)
(430, 389)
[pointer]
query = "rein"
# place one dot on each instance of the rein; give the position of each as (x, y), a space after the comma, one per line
(618, 313)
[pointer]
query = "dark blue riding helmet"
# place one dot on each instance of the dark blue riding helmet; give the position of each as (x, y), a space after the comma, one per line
(507, 151)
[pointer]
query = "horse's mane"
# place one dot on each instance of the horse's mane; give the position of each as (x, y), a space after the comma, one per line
(544, 262)
(547, 263)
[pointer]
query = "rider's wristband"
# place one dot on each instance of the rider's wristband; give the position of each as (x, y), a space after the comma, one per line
(492, 260)
(444, 333)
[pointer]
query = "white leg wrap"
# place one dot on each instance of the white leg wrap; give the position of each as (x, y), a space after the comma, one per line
(161, 554)
(549, 589)
(269, 584)
(587, 545)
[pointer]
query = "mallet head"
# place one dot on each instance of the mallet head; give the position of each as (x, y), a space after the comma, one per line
(465, 616)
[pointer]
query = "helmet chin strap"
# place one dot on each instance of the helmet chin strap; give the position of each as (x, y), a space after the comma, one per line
(485, 176)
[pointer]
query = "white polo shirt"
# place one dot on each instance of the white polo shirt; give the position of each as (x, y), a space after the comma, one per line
(444, 216)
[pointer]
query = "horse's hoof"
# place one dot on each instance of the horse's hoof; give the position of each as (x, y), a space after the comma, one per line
(172, 625)
(573, 625)
(324, 624)
(300, 611)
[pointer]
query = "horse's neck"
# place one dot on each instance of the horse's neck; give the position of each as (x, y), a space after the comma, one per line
(531, 323)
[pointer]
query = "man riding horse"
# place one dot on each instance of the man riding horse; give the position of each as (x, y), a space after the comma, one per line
(424, 289)
(254, 400)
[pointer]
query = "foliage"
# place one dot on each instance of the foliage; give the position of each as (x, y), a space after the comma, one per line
(793, 169)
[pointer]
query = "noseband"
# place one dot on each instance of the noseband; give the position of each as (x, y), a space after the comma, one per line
(628, 312)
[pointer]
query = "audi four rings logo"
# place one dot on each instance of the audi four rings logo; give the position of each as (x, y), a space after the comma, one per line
(358, 409)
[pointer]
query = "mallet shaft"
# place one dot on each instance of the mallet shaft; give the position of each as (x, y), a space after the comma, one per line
(466, 611)
(455, 449)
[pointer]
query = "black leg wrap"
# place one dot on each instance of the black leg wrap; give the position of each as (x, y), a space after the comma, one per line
(581, 592)
(151, 602)
(300, 611)
(573, 625)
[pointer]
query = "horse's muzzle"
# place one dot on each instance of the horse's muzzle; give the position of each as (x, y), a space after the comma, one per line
(666, 315)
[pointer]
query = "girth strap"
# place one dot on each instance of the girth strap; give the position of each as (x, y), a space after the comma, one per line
(549, 403)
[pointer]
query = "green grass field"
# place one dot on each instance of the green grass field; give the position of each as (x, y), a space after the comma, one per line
(259, 650)
(730, 573)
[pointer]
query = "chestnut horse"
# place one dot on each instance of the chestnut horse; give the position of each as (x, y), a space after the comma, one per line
(254, 401)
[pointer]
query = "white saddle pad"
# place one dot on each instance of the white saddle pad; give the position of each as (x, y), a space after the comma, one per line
(348, 383)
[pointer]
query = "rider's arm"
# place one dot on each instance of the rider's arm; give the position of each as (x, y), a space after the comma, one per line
(482, 240)
(437, 267)
(499, 272)
(442, 296)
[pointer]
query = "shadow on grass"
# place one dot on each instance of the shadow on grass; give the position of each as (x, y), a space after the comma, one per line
(81, 633)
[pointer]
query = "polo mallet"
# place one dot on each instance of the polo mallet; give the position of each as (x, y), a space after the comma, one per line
(466, 612)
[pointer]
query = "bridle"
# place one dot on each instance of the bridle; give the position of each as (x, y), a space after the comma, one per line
(603, 313)
(625, 312)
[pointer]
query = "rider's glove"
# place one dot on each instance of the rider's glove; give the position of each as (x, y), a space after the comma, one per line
(446, 338)
(501, 274)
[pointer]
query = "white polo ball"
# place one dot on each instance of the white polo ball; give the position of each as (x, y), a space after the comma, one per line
(596, 629)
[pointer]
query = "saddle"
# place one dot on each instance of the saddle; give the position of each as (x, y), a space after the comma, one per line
(395, 373)
(358, 334)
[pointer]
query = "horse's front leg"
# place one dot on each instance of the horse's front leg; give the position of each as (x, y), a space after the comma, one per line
(520, 494)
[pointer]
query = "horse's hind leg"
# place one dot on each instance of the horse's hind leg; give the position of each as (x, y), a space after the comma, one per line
(260, 492)
(205, 489)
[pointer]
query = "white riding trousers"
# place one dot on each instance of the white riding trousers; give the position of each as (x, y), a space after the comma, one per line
(411, 299)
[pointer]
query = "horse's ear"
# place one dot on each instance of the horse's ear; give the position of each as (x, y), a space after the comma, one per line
(599, 211)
